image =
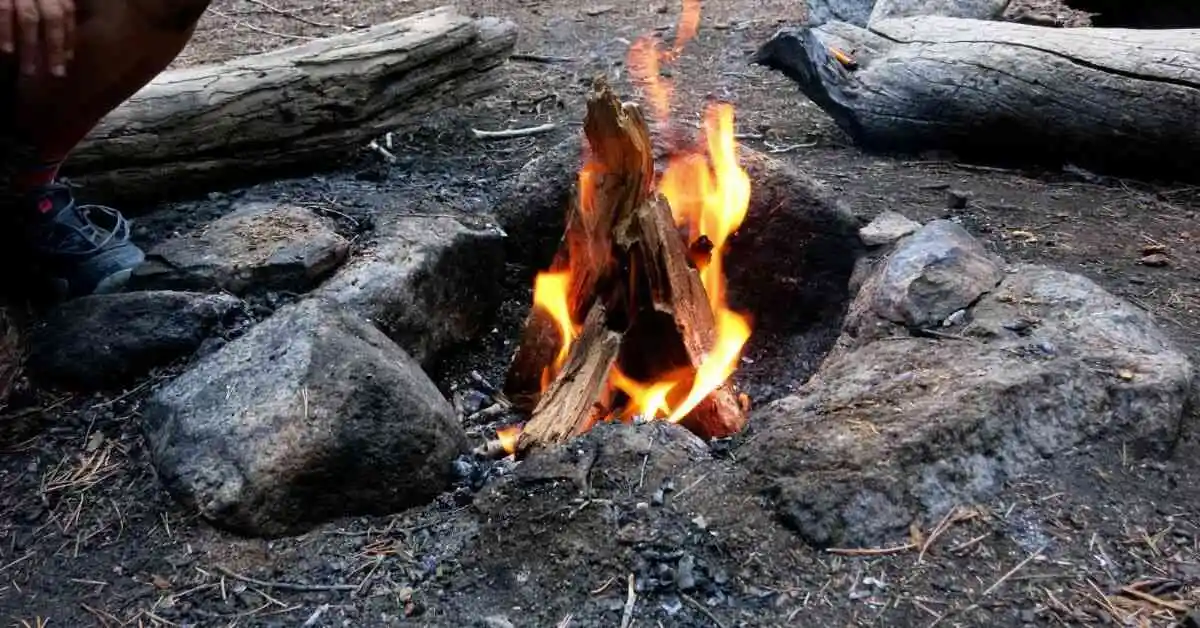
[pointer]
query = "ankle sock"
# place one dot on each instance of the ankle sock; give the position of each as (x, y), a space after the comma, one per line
(36, 176)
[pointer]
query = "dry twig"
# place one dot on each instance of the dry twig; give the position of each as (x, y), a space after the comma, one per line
(703, 610)
(288, 586)
(870, 551)
(630, 599)
(299, 18)
(508, 134)
(258, 29)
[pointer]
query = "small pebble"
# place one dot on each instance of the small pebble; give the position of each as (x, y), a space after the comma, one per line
(686, 576)
(1155, 260)
(955, 318)
(957, 199)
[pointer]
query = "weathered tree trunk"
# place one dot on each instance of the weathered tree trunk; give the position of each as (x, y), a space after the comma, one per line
(644, 309)
(309, 106)
(1105, 99)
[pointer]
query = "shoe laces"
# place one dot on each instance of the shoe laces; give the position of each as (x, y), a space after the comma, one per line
(73, 229)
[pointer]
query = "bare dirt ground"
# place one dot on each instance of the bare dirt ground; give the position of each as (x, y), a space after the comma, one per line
(87, 537)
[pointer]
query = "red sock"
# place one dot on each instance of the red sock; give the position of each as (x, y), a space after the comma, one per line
(36, 176)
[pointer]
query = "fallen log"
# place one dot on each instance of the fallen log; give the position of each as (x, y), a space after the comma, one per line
(1110, 100)
(197, 129)
(646, 316)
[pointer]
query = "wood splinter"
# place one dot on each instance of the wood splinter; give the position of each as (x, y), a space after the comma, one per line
(644, 307)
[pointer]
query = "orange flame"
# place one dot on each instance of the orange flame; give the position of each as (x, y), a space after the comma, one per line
(649, 400)
(551, 293)
(709, 192)
(646, 59)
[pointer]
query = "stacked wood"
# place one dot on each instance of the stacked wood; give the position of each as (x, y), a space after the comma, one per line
(196, 129)
(643, 307)
(1103, 99)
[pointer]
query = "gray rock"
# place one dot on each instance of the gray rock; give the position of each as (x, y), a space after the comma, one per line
(903, 428)
(312, 415)
(930, 275)
(428, 282)
(886, 228)
(971, 9)
(107, 340)
(258, 248)
(856, 12)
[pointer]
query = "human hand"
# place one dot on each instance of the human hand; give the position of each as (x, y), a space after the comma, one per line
(41, 33)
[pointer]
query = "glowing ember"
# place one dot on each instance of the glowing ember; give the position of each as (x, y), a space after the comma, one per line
(508, 436)
(650, 401)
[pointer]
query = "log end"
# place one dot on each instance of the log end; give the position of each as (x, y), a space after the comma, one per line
(825, 75)
(720, 415)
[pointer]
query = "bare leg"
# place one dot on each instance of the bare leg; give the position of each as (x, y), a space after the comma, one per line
(120, 46)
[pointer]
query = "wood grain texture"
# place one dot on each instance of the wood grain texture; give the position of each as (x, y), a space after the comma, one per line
(1107, 99)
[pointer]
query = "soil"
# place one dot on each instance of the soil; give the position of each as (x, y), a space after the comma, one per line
(89, 537)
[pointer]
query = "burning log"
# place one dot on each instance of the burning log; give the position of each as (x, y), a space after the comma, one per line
(195, 129)
(649, 316)
(1106, 99)
(577, 398)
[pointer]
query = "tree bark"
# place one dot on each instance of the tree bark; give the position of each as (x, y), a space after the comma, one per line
(1110, 100)
(578, 396)
(196, 129)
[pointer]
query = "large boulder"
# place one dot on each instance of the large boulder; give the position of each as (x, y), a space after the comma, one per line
(895, 428)
(312, 415)
(107, 340)
(428, 282)
(259, 247)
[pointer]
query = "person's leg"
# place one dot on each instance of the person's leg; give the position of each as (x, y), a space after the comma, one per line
(120, 46)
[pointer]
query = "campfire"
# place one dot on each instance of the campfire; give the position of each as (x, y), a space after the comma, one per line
(630, 322)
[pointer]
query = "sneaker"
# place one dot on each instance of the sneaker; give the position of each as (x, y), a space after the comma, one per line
(78, 249)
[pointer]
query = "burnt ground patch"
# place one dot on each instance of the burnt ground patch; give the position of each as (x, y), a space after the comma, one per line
(89, 538)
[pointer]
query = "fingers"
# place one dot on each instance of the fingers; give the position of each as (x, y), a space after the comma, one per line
(69, 24)
(28, 22)
(53, 16)
(7, 34)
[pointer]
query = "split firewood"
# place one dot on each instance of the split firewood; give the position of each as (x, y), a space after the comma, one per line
(578, 396)
(617, 178)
